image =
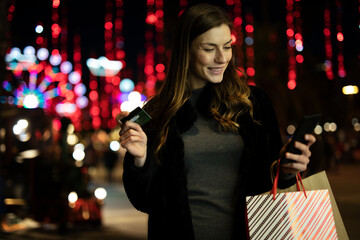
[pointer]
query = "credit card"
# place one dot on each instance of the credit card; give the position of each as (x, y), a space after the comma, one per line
(138, 115)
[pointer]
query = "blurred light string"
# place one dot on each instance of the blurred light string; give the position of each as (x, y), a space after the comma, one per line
(154, 47)
(94, 109)
(105, 104)
(340, 39)
(238, 36)
(119, 54)
(328, 46)
(290, 31)
(295, 40)
(243, 39)
(55, 28)
(77, 116)
(249, 48)
(11, 10)
(160, 46)
(59, 44)
(63, 22)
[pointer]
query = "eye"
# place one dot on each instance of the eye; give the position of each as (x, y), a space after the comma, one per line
(227, 47)
(208, 49)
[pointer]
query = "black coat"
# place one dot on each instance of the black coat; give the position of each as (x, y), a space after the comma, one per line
(161, 190)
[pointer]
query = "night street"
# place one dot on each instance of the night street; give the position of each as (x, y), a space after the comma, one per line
(122, 221)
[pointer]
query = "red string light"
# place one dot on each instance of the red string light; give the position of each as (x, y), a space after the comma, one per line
(340, 39)
(159, 38)
(11, 10)
(237, 34)
(154, 45)
(249, 48)
(55, 28)
(295, 40)
(119, 54)
(77, 117)
(328, 46)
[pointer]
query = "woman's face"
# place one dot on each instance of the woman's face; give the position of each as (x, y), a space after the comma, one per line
(210, 54)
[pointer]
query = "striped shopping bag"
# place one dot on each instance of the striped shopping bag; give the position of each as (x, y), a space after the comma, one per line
(291, 215)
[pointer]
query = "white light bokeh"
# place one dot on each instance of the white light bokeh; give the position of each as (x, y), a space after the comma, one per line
(31, 101)
(23, 123)
(66, 67)
(29, 51)
(72, 139)
(126, 85)
(78, 154)
(74, 77)
(114, 146)
(39, 29)
(318, 130)
(100, 193)
(55, 59)
(79, 146)
(42, 54)
(72, 197)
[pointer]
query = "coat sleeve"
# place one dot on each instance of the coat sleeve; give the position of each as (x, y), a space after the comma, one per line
(137, 180)
(269, 150)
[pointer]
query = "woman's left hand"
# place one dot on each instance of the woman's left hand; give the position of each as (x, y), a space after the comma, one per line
(300, 161)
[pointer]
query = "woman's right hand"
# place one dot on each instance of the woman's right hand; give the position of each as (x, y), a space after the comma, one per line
(133, 139)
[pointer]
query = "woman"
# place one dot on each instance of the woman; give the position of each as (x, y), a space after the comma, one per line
(211, 141)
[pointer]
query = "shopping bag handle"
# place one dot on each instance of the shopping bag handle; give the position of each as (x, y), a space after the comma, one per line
(276, 180)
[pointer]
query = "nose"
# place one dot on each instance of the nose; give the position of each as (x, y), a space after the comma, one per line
(220, 56)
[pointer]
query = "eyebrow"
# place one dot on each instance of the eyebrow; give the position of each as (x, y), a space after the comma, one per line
(213, 44)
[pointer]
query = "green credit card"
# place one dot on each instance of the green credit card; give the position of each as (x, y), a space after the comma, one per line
(138, 115)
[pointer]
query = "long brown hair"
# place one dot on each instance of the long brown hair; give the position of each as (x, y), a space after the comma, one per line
(230, 97)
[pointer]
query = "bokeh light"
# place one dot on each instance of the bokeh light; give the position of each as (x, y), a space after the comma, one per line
(78, 154)
(100, 193)
(74, 77)
(39, 29)
(72, 197)
(42, 54)
(114, 146)
(55, 59)
(31, 101)
(126, 85)
(66, 67)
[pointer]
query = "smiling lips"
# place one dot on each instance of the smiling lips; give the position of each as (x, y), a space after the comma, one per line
(216, 70)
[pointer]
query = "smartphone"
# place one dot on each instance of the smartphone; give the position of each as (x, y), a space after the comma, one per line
(138, 115)
(307, 125)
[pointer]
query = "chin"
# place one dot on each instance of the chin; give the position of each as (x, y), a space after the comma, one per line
(216, 80)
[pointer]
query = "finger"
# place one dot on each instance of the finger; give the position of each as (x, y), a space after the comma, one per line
(297, 158)
(130, 132)
(305, 150)
(120, 116)
(127, 142)
(310, 139)
(298, 165)
(130, 125)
